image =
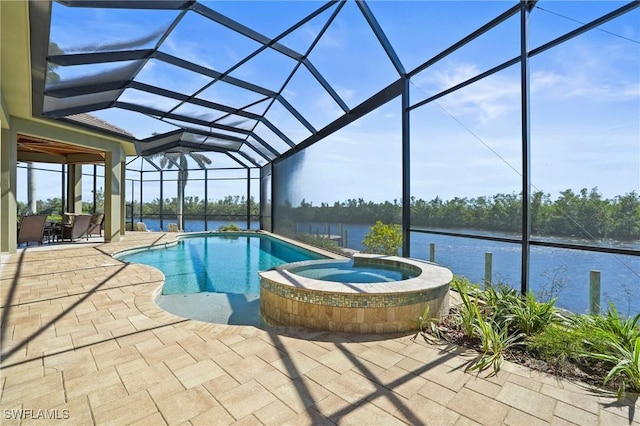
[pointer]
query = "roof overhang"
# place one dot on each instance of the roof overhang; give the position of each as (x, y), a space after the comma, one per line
(16, 88)
(32, 149)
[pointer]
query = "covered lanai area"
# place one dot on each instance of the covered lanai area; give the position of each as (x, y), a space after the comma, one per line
(29, 137)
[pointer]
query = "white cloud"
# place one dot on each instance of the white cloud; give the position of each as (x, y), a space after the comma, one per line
(309, 33)
(596, 71)
(484, 101)
(454, 74)
(334, 37)
(582, 85)
(188, 50)
(344, 93)
(288, 93)
(324, 107)
(231, 53)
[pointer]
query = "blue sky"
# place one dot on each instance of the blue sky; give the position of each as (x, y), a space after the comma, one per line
(585, 94)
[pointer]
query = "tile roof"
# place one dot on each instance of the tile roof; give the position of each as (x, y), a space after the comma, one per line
(93, 121)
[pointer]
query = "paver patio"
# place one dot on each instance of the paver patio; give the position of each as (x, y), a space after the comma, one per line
(82, 341)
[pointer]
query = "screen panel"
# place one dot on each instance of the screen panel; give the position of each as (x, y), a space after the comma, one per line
(346, 182)
(566, 274)
(467, 257)
(466, 167)
(585, 150)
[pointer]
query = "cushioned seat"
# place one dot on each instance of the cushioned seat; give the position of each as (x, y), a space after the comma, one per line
(31, 229)
(78, 229)
(95, 226)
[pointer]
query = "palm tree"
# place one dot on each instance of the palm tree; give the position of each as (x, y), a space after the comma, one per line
(179, 160)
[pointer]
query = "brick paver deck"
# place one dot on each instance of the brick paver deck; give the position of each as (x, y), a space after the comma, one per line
(82, 341)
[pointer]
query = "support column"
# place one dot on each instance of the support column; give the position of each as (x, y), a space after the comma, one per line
(71, 189)
(114, 195)
(525, 6)
(141, 198)
(161, 201)
(3, 225)
(63, 188)
(123, 199)
(74, 191)
(206, 199)
(248, 198)
(95, 189)
(8, 206)
(406, 172)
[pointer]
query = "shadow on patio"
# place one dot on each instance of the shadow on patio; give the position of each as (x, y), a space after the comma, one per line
(82, 338)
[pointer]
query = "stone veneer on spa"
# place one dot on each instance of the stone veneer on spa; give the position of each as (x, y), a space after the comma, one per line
(289, 299)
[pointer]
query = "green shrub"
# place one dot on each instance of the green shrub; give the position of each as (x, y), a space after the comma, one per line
(428, 327)
(57, 218)
(469, 313)
(228, 228)
(497, 319)
(500, 300)
(559, 345)
(495, 340)
(460, 283)
(613, 327)
(616, 342)
(383, 239)
(626, 366)
(530, 316)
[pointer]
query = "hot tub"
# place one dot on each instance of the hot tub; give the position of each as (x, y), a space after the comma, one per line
(370, 294)
(352, 271)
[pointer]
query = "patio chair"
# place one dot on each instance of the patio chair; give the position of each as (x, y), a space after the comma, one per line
(95, 226)
(78, 229)
(31, 229)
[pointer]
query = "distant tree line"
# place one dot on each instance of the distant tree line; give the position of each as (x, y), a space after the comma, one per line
(51, 206)
(226, 208)
(584, 214)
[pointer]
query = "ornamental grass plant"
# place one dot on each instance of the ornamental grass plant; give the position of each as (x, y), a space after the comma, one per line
(501, 324)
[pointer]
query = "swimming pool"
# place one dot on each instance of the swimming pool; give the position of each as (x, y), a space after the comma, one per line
(219, 263)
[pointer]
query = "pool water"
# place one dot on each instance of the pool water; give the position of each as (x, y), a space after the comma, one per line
(219, 263)
(345, 272)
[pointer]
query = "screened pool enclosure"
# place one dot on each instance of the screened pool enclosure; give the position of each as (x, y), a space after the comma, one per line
(503, 136)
